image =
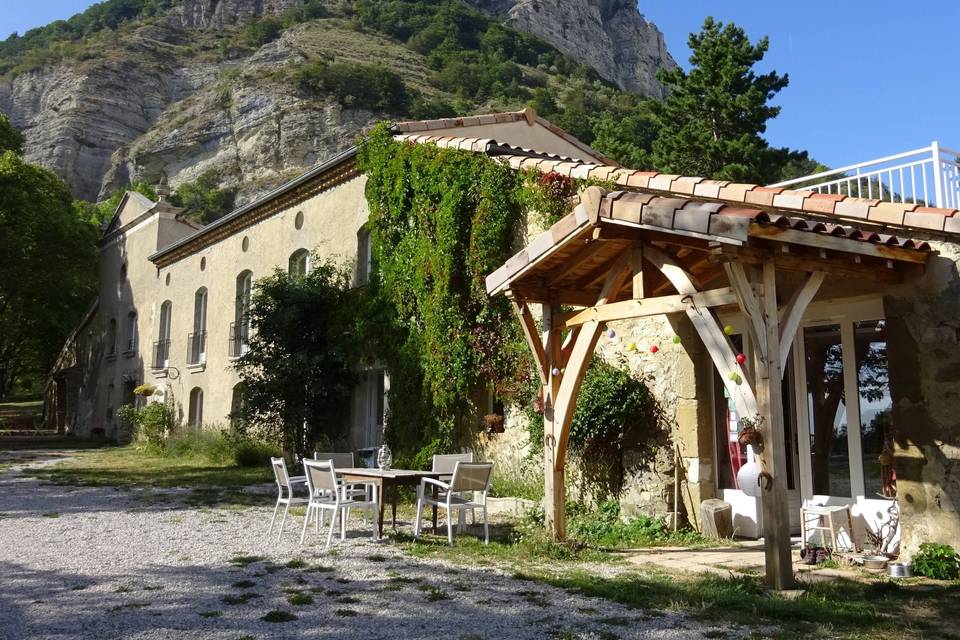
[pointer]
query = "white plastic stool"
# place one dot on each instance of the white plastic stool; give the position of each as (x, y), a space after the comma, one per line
(821, 513)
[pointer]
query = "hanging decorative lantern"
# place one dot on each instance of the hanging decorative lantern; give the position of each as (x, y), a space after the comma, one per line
(555, 371)
(728, 329)
(654, 348)
(632, 346)
(676, 339)
(611, 334)
(741, 358)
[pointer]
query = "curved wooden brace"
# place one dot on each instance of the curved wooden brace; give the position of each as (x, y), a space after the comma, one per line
(791, 314)
(707, 326)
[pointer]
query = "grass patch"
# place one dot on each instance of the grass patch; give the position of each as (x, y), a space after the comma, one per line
(434, 594)
(51, 514)
(245, 560)
(211, 614)
(319, 568)
(346, 613)
(239, 598)
(300, 599)
(279, 616)
(129, 467)
(296, 563)
(243, 584)
(846, 608)
(376, 557)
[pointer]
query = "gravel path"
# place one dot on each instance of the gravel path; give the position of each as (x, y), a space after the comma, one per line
(102, 563)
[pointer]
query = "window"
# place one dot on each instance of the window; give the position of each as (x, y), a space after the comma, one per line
(363, 256)
(237, 403)
(161, 350)
(197, 341)
(299, 263)
(240, 328)
(132, 331)
(112, 337)
(195, 412)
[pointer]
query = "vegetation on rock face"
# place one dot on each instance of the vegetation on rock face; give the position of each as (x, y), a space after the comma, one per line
(298, 375)
(10, 138)
(356, 86)
(202, 198)
(47, 269)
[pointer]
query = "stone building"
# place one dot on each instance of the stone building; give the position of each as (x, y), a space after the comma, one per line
(869, 370)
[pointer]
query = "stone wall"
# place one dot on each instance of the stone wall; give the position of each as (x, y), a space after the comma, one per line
(680, 377)
(923, 325)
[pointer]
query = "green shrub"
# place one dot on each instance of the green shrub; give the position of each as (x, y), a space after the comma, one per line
(358, 86)
(604, 527)
(938, 561)
(150, 425)
(252, 453)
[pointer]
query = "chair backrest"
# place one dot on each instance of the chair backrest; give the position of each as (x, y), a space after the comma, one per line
(445, 463)
(320, 476)
(280, 472)
(471, 476)
(339, 460)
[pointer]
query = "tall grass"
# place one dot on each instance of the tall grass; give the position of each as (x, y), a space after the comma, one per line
(218, 446)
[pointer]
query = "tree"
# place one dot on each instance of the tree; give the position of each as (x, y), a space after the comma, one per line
(10, 138)
(203, 200)
(715, 115)
(47, 270)
(100, 213)
(297, 375)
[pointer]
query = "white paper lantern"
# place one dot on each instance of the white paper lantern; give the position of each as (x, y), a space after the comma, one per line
(748, 479)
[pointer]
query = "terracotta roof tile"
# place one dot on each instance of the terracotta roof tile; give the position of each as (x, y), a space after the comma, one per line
(852, 208)
(582, 171)
(790, 199)
(761, 196)
(888, 212)
(695, 216)
(709, 188)
(599, 172)
(735, 192)
(659, 212)
(924, 219)
(685, 185)
(822, 203)
(662, 181)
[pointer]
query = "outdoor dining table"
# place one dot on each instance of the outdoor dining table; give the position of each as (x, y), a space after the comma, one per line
(390, 478)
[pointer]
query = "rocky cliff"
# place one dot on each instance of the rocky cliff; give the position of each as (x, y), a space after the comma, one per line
(609, 35)
(174, 95)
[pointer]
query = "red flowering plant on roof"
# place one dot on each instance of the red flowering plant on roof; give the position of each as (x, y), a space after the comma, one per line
(549, 195)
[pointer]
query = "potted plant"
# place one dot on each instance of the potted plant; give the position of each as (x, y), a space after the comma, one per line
(749, 432)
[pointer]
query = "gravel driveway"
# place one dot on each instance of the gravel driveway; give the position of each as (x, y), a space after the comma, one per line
(104, 563)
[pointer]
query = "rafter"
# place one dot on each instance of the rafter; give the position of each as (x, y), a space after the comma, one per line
(647, 307)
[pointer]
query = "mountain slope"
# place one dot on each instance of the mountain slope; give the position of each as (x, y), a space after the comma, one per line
(186, 87)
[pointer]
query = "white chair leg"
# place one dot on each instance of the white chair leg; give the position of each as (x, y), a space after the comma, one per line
(344, 514)
(416, 521)
(306, 521)
(333, 521)
(486, 525)
(283, 520)
(276, 508)
(450, 528)
(375, 517)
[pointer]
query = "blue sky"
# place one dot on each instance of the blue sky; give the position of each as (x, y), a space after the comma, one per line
(867, 77)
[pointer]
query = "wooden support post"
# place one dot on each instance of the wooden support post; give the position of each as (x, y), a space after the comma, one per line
(636, 265)
(776, 515)
(554, 496)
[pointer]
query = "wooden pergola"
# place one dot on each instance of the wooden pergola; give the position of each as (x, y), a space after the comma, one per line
(622, 255)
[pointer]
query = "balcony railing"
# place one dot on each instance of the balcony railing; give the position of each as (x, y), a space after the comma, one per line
(239, 338)
(929, 176)
(197, 348)
(161, 354)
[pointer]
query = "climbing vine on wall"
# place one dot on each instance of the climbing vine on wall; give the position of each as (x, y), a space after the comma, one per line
(440, 221)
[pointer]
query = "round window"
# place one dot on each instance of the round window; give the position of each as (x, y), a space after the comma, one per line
(298, 220)
(167, 280)
(203, 264)
(245, 244)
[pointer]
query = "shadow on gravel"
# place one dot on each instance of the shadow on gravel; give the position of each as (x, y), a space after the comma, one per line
(402, 599)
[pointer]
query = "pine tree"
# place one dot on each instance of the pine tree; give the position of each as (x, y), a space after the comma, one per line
(715, 115)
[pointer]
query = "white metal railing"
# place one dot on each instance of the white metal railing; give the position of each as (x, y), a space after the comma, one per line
(928, 176)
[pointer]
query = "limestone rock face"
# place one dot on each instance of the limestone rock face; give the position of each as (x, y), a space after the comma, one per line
(609, 35)
(142, 107)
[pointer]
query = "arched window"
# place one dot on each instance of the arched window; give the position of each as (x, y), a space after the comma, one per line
(240, 330)
(112, 337)
(195, 411)
(198, 339)
(161, 350)
(237, 403)
(363, 256)
(299, 263)
(132, 331)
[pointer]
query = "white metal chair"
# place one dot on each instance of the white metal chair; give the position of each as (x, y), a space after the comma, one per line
(444, 463)
(285, 484)
(327, 494)
(468, 478)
